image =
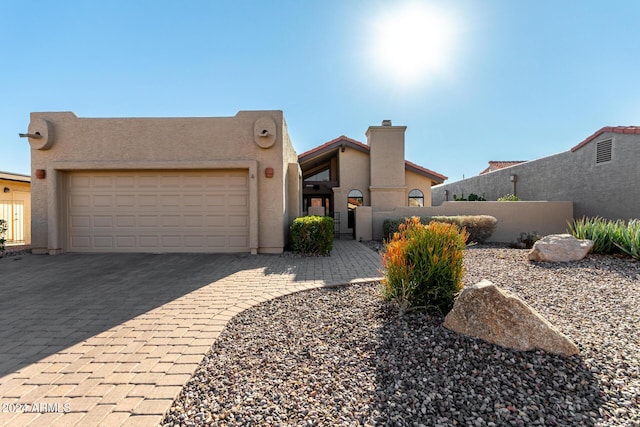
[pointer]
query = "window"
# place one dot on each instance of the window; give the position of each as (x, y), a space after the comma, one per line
(354, 199)
(603, 151)
(416, 198)
(319, 176)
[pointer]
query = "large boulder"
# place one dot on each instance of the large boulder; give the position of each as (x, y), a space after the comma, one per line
(560, 248)
(495, 315)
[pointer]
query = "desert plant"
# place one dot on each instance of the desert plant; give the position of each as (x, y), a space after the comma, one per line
(526, 240)
(3, 232)
(509, 198)
(471, 198)
(629, 239)
(312, 235)
(423, 265)
(604, 233)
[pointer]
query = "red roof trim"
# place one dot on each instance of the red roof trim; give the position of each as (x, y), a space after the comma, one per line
(420, 169)
(337, 142)
(328, 145)
(611, 129)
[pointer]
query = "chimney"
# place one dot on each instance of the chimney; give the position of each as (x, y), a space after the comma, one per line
(387, 165)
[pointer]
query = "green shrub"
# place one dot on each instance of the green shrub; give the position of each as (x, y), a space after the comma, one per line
(312, 235)
(509, 198)
(628, 241)
(423, 265)
(479, 227)
(3, 231)
(604, 233)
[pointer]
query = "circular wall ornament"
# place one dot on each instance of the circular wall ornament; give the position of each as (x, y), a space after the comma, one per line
(44, 132)
(264, 132)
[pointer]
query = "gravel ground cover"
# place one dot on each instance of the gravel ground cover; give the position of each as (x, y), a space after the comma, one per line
(342, 356)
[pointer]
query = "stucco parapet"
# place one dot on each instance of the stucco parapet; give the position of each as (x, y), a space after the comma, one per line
(252, 165)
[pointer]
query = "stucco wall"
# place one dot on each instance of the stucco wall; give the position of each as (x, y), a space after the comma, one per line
(354, 175)
(416, 181)
(513, 217)
(607, 189)
(74, 143)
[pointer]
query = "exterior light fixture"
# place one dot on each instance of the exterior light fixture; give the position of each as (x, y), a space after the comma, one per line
(268, 172)
(6, 189)
(514, 178)
(41, 173)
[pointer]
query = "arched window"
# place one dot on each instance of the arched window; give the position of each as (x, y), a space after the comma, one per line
(354, 199)
(416, 198)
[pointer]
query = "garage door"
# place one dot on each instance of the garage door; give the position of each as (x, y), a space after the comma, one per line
(158, 211)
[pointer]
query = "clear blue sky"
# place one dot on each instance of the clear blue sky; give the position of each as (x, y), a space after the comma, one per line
(476, 81)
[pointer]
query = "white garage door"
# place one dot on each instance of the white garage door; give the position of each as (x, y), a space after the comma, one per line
(158, 211)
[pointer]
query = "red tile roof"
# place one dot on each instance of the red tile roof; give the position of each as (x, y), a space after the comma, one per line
(339, 141)
(498, 164)
(612, 129)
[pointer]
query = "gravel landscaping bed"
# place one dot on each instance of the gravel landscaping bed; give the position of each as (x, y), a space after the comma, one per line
(342, 356)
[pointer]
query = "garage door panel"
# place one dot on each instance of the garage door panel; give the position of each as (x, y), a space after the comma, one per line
(81, 242)
(78, 201)
(126, 242)
(125, 200)
(239, 221)
(125, 221)
(103, 242)
(100, 201)
(152, 211)
(103, 221)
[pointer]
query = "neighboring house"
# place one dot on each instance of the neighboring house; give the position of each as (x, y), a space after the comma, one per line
(343, 174)
(15, 207)
(600, 175)
(494, 165)
(226, 184)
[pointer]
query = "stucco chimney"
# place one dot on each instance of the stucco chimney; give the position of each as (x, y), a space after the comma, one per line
(386, 144)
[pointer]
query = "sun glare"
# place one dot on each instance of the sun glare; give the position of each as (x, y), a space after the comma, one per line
(413, 42)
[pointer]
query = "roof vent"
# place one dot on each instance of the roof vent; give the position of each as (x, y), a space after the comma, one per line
(386, 123)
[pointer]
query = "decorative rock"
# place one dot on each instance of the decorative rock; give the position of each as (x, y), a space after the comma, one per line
(495, 315)
(560, 248)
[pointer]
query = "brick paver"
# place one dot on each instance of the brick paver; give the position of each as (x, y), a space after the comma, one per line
(93, 339)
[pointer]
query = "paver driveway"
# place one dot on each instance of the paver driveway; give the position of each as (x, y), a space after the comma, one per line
(111, 339)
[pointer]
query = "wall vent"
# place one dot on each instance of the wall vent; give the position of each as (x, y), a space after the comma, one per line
(603, 151)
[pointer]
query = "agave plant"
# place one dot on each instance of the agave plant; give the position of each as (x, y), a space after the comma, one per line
(602, 232)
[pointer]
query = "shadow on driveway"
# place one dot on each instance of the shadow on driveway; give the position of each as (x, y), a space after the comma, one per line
(49, 303)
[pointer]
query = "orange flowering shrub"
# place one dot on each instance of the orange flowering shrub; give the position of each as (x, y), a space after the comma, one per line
(423, 265)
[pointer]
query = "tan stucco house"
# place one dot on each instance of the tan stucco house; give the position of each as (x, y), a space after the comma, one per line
(344, 174)
(223, 184)
(15, 207)
(226, 184)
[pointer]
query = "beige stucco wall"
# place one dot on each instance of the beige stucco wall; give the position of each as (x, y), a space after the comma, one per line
(354, 175)
(416, 181)
(19, 192)
(72, 143)
(513, 217)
